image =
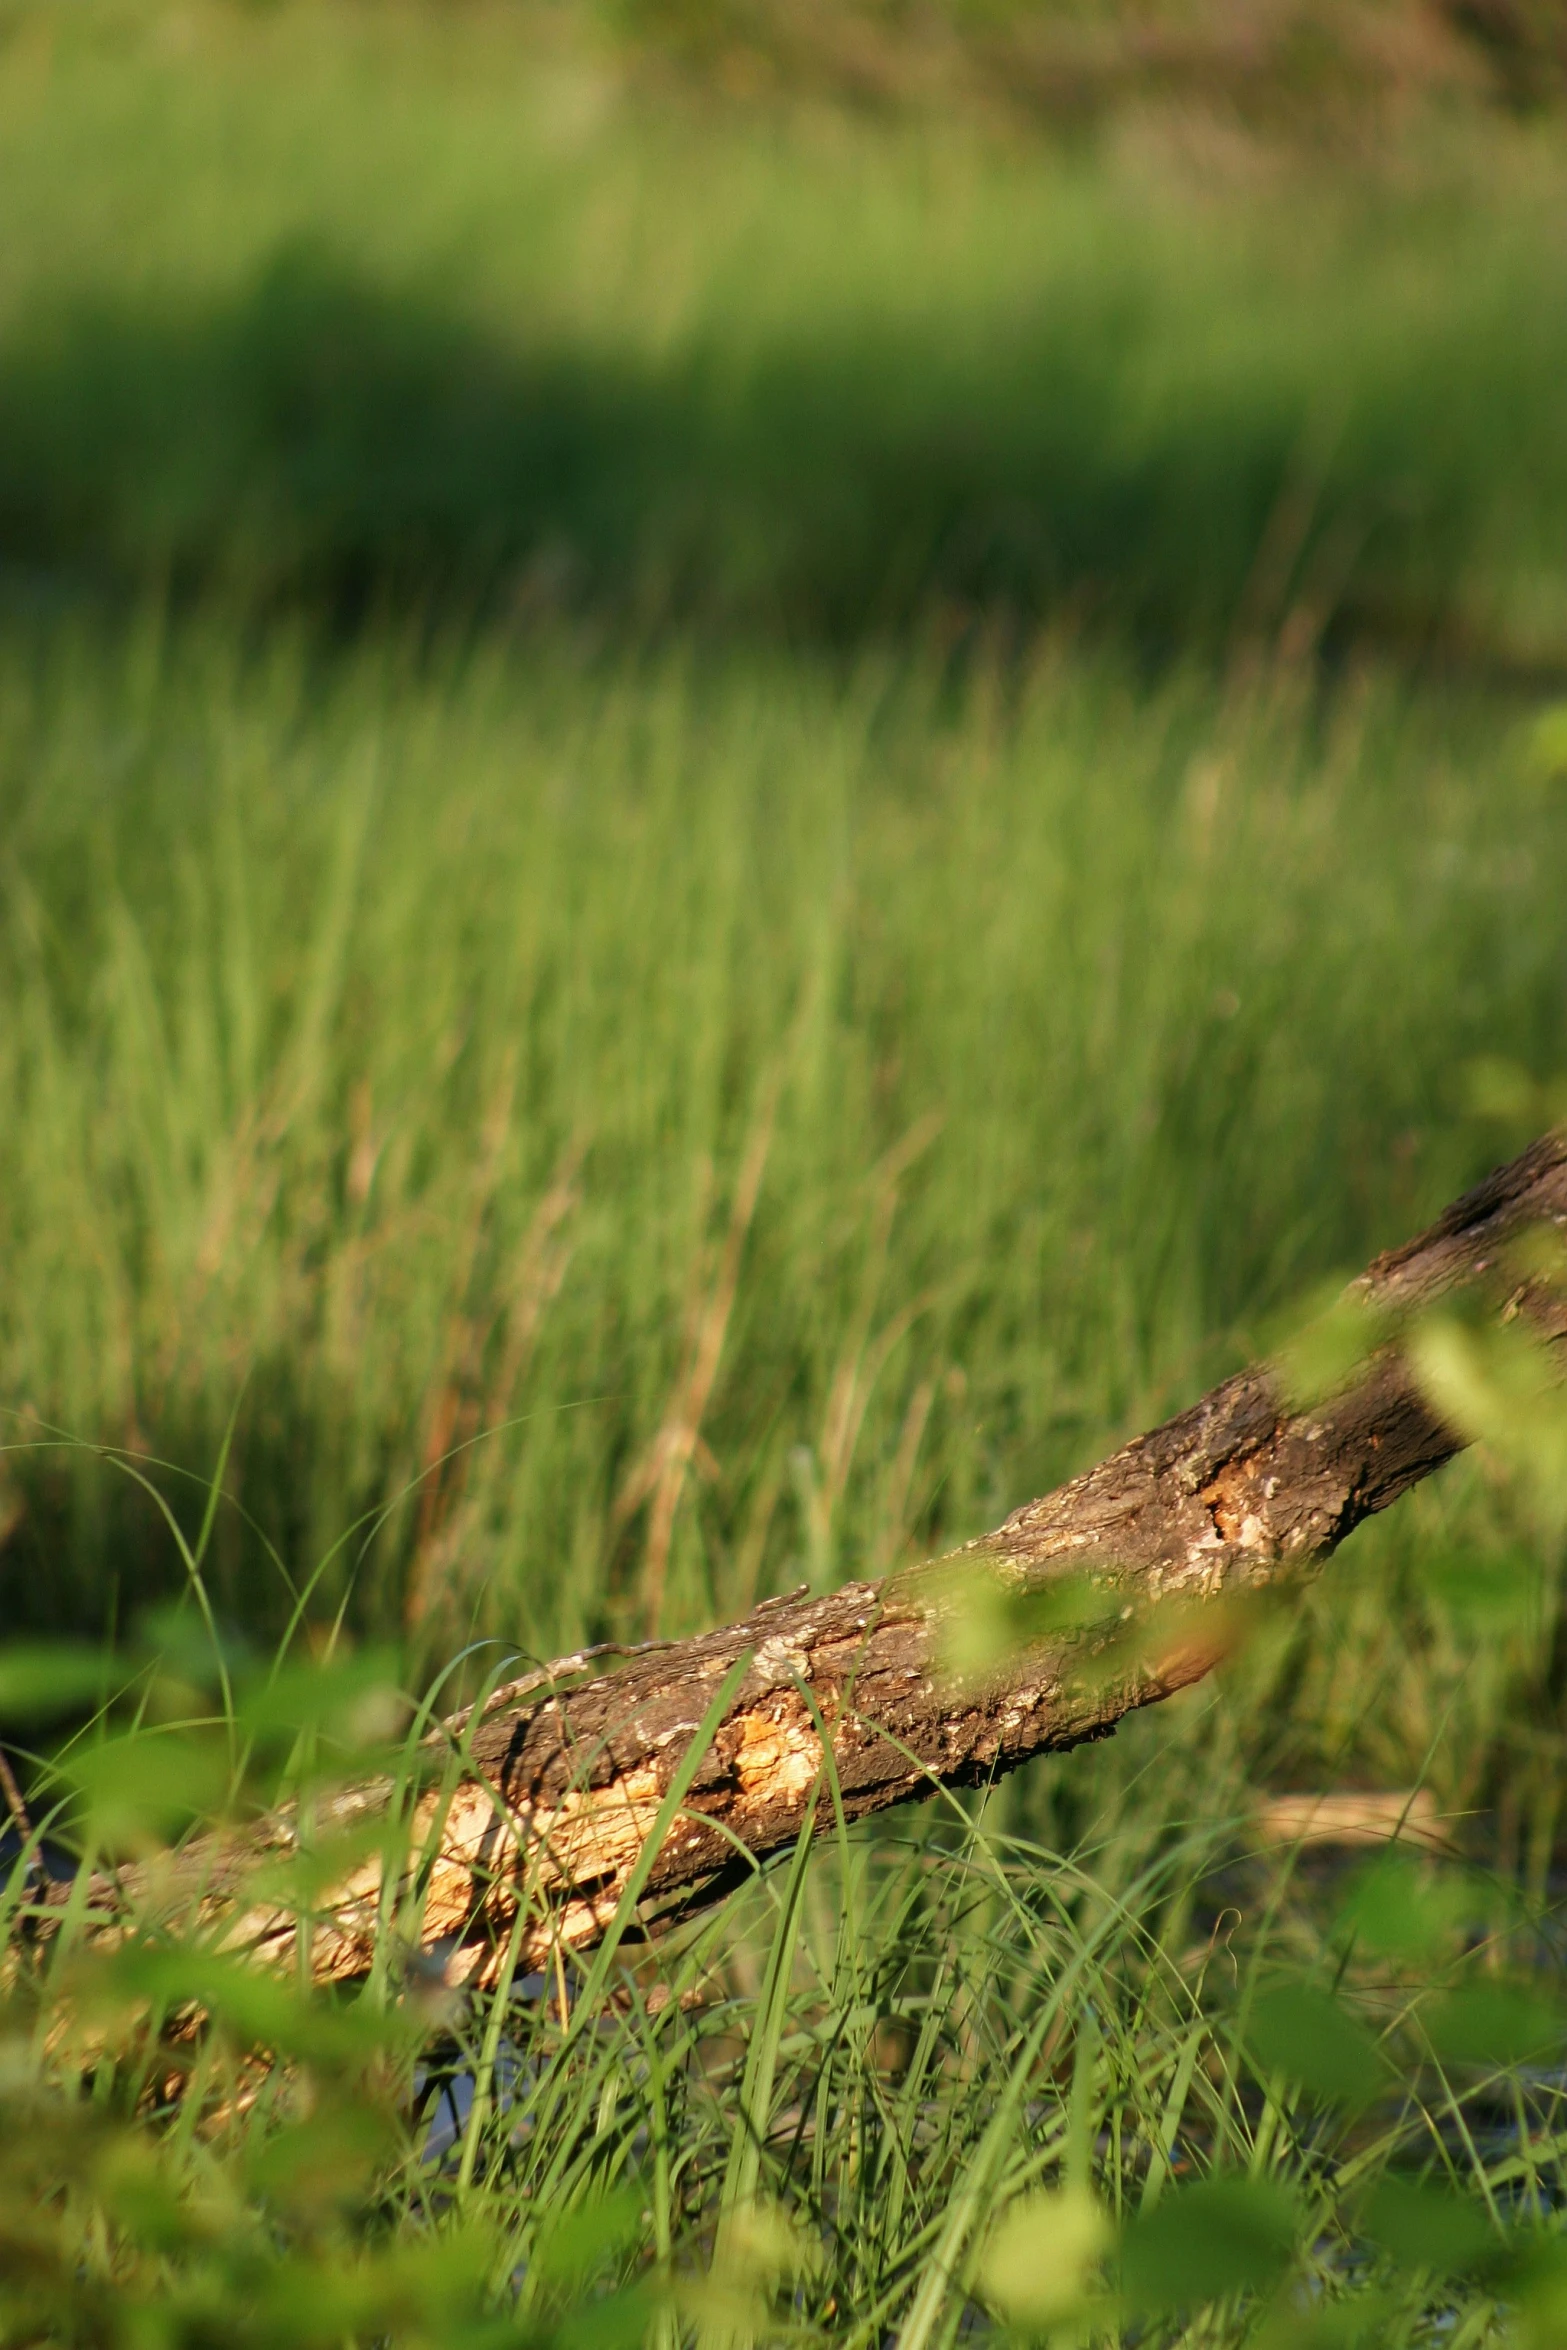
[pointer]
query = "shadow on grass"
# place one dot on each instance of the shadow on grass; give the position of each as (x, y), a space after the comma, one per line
(316, 438)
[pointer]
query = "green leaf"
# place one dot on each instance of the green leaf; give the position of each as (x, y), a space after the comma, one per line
(1400, 1908)
(143, 1788)
(353, 1703)
(42, 1678)
(327, 2159)
(762, 2244)
(985, 1620)
(1199, 2243)
(1545, 745)
(615, 2321)
(260, 2009)
(1306, 2035)
(1327, 1352)
(139, 2190)
(1426, 2227)
(181, 1644)
(1537, 2288)
(1038, 2267)
(1498, 1385)
(302, 1878)
(572, 2246)
(1360, 2318)
(1494, 2025)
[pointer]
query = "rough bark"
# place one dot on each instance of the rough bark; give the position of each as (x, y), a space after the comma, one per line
(558, 1785)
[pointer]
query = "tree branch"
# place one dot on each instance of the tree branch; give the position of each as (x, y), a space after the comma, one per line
(557, 1787)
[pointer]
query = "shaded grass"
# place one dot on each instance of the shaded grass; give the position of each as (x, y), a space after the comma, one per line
(311, 312)
(1323, 68)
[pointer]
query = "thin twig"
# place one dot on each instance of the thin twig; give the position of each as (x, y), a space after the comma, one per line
(13, 1798)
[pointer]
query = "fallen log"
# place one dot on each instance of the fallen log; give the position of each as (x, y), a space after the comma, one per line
(554, 1788)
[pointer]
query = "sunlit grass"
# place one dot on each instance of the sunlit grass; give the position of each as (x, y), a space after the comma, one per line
(894, 1085)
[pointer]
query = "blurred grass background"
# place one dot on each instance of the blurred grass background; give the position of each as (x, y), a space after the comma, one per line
(737, 810)
(384, 308)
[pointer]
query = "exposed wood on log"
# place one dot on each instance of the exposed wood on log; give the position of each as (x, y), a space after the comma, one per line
(559, 1785)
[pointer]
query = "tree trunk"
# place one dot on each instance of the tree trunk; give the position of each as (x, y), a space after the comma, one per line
(558, 1784)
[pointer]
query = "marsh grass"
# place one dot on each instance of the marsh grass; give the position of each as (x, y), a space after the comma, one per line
(350, 312)
(719, 842)
(626, 1135)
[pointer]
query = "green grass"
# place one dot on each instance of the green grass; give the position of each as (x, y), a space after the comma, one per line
(964, 2072)
(835, 802)
(313, 306)
(386, 1040)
